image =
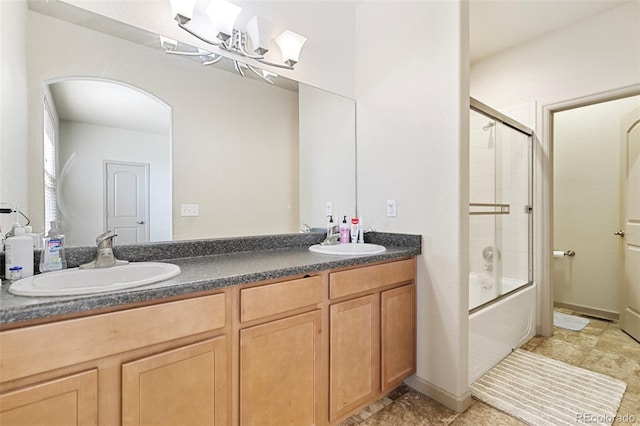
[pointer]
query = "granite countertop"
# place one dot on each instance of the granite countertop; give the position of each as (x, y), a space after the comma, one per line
(205, 265)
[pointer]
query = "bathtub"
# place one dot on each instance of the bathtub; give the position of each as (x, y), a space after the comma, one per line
(494, 331)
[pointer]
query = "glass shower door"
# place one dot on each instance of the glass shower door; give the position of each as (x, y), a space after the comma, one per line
(500, 170)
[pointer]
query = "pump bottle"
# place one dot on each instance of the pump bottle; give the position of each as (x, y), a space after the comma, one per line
(344, 231)
(19, 253)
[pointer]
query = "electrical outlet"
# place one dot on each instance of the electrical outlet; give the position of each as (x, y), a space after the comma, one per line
(328, 209)
(189, 210)
(392, 208)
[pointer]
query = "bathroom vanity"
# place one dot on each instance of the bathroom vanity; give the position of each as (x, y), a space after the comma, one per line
(306, 344)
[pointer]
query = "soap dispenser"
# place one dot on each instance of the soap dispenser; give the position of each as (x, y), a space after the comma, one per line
(344, 231)
(53, 257)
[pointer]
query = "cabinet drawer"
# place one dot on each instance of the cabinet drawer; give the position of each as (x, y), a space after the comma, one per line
(368, 278)
(272, 299)
(33, 350)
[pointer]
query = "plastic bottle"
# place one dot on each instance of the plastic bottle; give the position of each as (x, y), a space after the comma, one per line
(52, 257)
(37, 241)
(355, 229)
(344, 231)
(19, 252)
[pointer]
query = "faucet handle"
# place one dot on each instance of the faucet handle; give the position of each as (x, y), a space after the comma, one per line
(107, 235)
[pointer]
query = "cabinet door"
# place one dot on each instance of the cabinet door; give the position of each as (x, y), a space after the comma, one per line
(354, 359)
(280, 372)
(71, 400)
(398, 335)
(184, 386)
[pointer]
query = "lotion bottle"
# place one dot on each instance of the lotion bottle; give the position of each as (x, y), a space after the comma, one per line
(52, 257)
(19, 252)
(344, 231)
(355, 229)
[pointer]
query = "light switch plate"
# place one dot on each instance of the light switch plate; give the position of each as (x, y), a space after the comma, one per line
(189, 209)
(392, 208)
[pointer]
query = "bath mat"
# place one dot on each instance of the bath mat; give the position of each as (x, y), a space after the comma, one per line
(569, 322)
(541, 391)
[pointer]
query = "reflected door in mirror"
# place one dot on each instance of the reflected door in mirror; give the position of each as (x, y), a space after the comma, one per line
(127, 201)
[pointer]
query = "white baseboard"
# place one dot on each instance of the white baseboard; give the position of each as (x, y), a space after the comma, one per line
(453, 402)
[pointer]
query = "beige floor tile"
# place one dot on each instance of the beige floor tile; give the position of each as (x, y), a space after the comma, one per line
(601, 347)
(630, 406)
(561, 350)
(482, 414)
(595, 327)
(426, 408)
(615, 365)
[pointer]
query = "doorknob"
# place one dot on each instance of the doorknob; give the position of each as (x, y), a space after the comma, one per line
(619, 233)
(140, 222)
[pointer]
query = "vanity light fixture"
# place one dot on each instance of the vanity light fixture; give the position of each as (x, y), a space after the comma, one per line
(223, 15)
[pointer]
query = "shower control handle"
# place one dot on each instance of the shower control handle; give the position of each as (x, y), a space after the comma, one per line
(620, 233)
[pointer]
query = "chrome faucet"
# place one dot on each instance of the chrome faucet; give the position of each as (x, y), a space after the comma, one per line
(105, 257)
(333, 234)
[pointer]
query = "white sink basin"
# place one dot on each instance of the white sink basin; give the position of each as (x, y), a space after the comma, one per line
(348, 249)
(99, 280)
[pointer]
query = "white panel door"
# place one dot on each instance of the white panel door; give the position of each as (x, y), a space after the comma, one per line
(630, 179)
(127, 201)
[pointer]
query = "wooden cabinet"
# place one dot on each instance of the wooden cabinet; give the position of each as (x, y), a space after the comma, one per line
(398, 331)
(372, 333)
(187, 385)
(281, 353)
(353, 354)
(280, 372)
(70, 400)
(139, 359)
(305, 351)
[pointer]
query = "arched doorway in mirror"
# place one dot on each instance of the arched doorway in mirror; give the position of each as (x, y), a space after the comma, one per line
(107, 161)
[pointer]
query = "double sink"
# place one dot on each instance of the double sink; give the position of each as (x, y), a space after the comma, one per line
(75, 281)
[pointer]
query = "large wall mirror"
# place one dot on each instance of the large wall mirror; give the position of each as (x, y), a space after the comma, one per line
(181, 150)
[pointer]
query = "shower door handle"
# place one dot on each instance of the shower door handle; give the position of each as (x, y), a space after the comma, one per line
(619, 233)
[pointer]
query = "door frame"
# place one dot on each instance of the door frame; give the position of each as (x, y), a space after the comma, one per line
(147, 202)
(543, 197)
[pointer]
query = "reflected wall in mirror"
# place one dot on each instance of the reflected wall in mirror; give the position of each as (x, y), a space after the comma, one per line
(236, 143)
(112, 160)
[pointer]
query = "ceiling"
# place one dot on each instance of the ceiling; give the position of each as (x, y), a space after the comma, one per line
(494, 25)
(103, 103)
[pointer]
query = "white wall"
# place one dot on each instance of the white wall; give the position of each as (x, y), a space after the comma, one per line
(595, 55)
(83, 192)
(413, 130)
(13, 108)
(234, 139)
(587, 204)
(327, 156)
(591, 56)
(327, 57)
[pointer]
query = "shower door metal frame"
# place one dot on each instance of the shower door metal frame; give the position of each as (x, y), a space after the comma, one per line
(494, 114)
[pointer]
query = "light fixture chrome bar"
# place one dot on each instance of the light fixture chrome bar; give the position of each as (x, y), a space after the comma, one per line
(198, 36)
(187, 53)
(236, 65)
(237, 44)
(215, 60)
(259, 74)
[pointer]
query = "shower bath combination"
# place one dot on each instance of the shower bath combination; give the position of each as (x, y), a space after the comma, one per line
(501, 290)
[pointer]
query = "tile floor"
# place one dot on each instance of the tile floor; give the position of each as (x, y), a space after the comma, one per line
(601, 346)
